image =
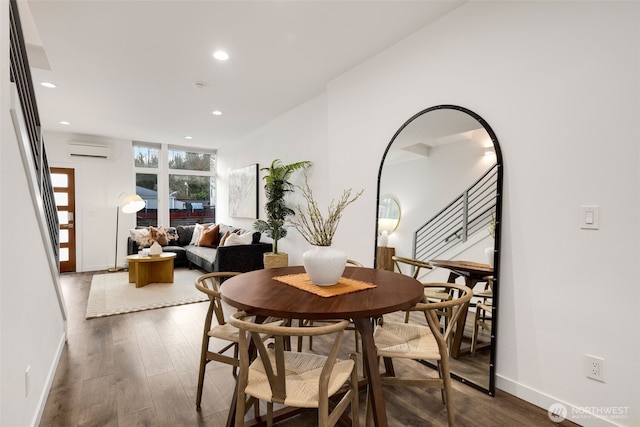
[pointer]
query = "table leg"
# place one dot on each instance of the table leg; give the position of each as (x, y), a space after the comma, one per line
(370, 358)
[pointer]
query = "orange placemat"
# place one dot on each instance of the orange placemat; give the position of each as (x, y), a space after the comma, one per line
(344, 285)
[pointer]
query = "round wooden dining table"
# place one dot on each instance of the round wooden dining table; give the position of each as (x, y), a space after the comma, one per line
(259, 293)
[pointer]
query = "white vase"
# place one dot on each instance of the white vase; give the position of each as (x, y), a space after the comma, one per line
(489, 254)
(155, 249)
(324, 264)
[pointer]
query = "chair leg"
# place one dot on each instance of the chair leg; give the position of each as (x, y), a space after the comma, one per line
(474, 337)
(269, 413)
(203, 365)
(369, 413)
(355, 404)
(443, 395)
(240, 407)
(234, 369)
(388, 367)
(446, 383)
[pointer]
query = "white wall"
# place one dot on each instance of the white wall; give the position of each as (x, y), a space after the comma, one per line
(31, 321)
(559, 84)
(99, 182)
(297, 136)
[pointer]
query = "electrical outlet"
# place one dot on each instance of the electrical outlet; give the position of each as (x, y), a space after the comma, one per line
(595, 368)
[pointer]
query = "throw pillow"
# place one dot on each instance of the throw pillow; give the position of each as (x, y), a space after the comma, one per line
(159, 235)
(239, 239)
(141, 237)
(172, 235)
(197, 231)
(224, 238)
(209, 237)
(185, 234)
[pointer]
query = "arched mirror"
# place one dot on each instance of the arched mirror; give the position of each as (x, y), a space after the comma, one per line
(444, 167)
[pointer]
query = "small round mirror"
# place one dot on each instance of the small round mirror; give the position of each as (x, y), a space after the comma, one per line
(388, 214)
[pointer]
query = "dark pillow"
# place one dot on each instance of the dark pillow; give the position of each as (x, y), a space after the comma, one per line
(172, 235)
(185, 232)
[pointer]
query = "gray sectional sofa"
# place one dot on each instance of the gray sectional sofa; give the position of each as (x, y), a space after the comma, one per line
(239, 258)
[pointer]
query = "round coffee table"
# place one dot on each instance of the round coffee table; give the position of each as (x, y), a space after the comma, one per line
(151, 269)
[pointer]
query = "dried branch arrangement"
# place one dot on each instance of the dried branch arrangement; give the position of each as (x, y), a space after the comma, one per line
(316, 229)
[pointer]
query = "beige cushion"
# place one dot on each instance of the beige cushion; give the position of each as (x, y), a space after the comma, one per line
(224, 332)
(225, 237)
(195, 237)
(406, 340)
(303, 373)
(239, 239)
(230, 333)
(141, 237)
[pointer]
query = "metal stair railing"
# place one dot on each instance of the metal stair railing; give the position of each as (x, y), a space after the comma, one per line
(470, 212)
(27, 123)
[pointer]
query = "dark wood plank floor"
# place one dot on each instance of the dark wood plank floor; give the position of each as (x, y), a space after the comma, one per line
(140, 369)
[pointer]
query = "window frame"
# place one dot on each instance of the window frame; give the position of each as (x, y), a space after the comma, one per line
(163, 172)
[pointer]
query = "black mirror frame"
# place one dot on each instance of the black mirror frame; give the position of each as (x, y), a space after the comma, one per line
(497, 237)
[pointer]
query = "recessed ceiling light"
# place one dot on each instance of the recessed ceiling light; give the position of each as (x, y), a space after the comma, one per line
(188, 137)
(217, 113)
(48, 84)
(64, 122)
(220, 55)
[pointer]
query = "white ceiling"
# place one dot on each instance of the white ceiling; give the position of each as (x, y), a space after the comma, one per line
(126, 69)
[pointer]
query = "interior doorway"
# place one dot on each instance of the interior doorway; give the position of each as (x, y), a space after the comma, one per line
(63, 181)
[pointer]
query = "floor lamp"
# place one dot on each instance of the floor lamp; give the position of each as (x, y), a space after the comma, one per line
(129, 203)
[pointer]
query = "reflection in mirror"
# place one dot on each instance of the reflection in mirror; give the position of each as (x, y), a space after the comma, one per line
(388, 218)
(444, 167)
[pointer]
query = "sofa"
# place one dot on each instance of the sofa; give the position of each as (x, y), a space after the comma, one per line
(231, 249)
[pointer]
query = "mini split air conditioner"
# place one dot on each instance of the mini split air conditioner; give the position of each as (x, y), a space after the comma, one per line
(88, 149)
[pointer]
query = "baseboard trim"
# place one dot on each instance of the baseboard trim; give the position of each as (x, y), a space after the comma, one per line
(543, 400)
(51, 375)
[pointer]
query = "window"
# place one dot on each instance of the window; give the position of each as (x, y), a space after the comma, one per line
(184, 177)
(147, 188)
(191, 187)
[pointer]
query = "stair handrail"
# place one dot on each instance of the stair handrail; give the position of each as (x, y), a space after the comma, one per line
(465, 215)
(26, 120)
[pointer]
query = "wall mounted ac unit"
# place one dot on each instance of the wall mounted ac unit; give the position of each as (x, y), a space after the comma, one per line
(88, 149)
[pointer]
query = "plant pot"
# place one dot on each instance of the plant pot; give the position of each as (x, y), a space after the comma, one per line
(324, 264)
(272, 260)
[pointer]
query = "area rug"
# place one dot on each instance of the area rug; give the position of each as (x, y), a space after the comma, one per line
(113, 294)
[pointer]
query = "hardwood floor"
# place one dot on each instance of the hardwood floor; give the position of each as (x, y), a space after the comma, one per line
(140, 369)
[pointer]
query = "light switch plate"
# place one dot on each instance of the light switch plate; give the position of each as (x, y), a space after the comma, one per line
(590, 217)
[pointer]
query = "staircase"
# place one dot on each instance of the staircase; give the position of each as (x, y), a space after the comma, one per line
(471, 212)
(26, 120)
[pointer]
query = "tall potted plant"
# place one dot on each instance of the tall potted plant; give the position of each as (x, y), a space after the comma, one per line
(276, 187)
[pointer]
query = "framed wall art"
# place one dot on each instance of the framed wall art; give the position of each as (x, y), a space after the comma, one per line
(243, 192)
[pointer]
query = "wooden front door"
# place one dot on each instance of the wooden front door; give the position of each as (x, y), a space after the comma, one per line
(64, 192)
